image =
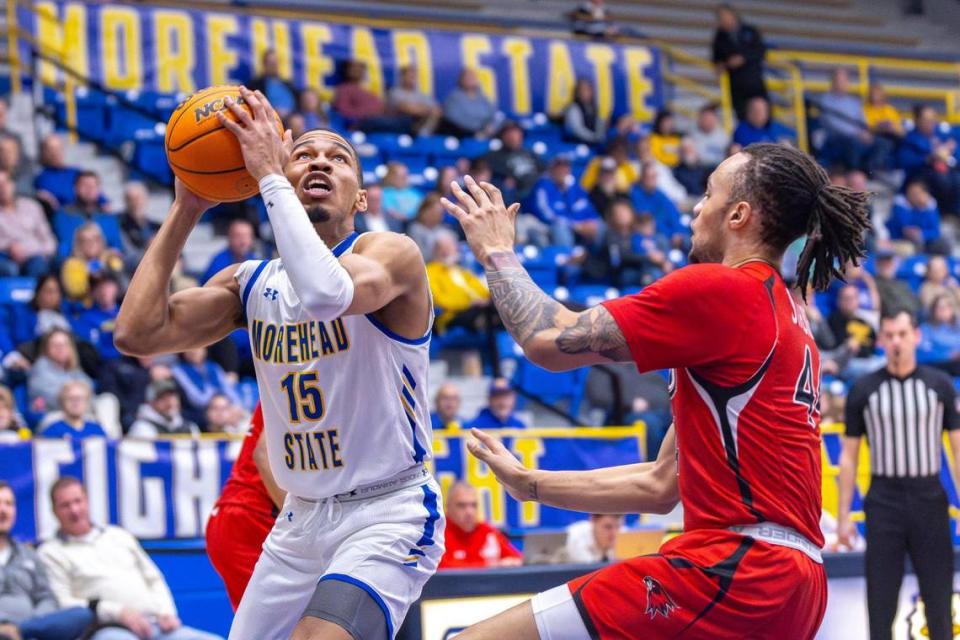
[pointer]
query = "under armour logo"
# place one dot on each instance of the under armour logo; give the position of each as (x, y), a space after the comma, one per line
(289, 516)
(269, 204)
(270, 294)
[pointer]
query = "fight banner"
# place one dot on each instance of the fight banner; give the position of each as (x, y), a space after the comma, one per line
(173, 50)
(166, 488)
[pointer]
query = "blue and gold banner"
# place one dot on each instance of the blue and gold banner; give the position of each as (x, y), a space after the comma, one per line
(172, 50)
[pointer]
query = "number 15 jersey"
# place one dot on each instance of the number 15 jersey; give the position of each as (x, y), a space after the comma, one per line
(344, 401)
(745, 382)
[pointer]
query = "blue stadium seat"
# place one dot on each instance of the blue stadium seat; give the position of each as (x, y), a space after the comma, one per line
(913, 270)
(471, 147)
(592, 294)
(150, 158)
(550, 387)
(65, 224)
(91, 113)
(16, 290)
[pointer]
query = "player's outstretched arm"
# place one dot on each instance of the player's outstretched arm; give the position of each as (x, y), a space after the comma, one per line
(152, 321)
(551, 335)
(645, 487)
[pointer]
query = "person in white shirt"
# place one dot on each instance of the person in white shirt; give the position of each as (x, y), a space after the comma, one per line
(106, 569)
(709, 137)
(593, 540)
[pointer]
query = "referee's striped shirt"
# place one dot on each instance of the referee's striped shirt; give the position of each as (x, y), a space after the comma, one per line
(903, 419)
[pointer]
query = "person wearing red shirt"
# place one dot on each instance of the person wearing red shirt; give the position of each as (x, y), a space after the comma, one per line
(469, 542)
(744, 454)
(244, 513)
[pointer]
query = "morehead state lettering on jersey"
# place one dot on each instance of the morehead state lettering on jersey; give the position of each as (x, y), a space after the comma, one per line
(297, 343)
(312, 450)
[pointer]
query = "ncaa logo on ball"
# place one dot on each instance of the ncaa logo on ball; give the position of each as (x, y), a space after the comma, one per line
(205, 111)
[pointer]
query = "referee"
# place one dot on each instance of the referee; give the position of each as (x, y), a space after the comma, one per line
(902, 410)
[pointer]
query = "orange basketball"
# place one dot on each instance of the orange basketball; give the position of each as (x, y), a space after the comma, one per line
(204, 155)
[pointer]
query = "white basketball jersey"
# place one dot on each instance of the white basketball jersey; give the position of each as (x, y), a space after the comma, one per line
(344, 402)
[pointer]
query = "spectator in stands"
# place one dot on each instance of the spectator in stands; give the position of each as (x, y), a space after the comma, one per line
(515, 168)
(499, 412)
(856, 275)
(105, 569)
(938, 282)
(882, 118)
(281, 94)
(666, 181)
(12, 426)
(54, 183)
(128, 378)
(617, 261)
(91, 258)
(926, 153)
(5, 129)
(427, 224)
(647, 197)
(223, 416)
(855, 331)
(605, 191)
(199, 378)
(28, 606)
(690, 171)
(461, 298)
(849, 140)
(362, 108)
(94, 322)
(916, 219)
(709, 137)
(758, 126)
(310, 108)
(135, 230)
(57, 365)
(406, 100)
(591, 18)
(88, 199)
(664, 139)
(19, 167)
(739, 49)
(296, 123)
(562, 205)
(593, 540)
(161, 415)
(45, 311)
(894, 293)
(375, 218)
(76, 408)
(241, 246)
(940, 336)
(26, 241)
(400, 200)
(446, 414)
(469, 542)
(467, 112)
(581, 120)
(617, 152)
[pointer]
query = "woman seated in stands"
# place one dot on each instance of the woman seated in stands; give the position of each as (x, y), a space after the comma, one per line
(938, 282)
(665, 141)
(12, 426)
(45, 311)
(400, 200)
(91, 257)
(881, 117)
(58, 364)
(940, 336)
(581, 120)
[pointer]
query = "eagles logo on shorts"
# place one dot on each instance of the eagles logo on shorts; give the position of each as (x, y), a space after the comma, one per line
(658, 600)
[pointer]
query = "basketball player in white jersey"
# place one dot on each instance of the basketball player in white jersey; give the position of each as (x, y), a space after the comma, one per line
(340, 329)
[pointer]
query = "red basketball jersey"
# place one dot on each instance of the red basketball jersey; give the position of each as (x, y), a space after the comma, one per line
(244, 486)
(745, 382)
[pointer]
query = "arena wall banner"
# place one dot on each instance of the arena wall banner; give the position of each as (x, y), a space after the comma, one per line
(171, 50)
(165, 489)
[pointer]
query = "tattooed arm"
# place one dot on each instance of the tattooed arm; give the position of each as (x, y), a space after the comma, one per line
(645, 487)
(551, 335)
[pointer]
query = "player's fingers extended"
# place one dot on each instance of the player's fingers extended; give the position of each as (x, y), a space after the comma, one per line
(465, 198)
(513, 210)
(230, 125)
(252, 101)
(477, 192)
(238, 111)
(493, 193)
(492, 444)
(478, 450)
(456, 211)
(264, 104)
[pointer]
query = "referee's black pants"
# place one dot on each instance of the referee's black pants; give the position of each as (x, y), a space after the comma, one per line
(908, 516)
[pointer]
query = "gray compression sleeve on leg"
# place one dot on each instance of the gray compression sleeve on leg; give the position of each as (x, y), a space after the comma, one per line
(350, 608)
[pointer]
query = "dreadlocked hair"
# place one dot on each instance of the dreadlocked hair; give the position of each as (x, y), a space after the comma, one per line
(796, 199)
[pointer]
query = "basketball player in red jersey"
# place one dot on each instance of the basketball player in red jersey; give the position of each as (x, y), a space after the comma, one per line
(244, 513)
(744, 456)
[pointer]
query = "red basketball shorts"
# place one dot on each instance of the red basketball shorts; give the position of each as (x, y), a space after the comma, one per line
(235, 536)
(703, 584)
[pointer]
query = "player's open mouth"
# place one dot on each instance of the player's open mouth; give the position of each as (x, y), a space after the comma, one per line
(317, 186)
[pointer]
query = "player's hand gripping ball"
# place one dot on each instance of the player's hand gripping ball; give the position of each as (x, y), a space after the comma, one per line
(203, 154)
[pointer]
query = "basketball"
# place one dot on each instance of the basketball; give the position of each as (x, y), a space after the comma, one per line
(203, 154)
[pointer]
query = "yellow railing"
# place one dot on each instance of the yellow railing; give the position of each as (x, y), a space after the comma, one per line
(719, 94)
(791, 89)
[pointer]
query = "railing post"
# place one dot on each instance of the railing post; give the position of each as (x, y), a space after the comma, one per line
(13, 48)
(799, 107)
(726, 102)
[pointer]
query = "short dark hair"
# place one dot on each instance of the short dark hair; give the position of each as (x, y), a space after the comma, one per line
(64, 481)
(796, 199)
(892, 312)
(5, 485)
(85, 173)
(710, 106)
